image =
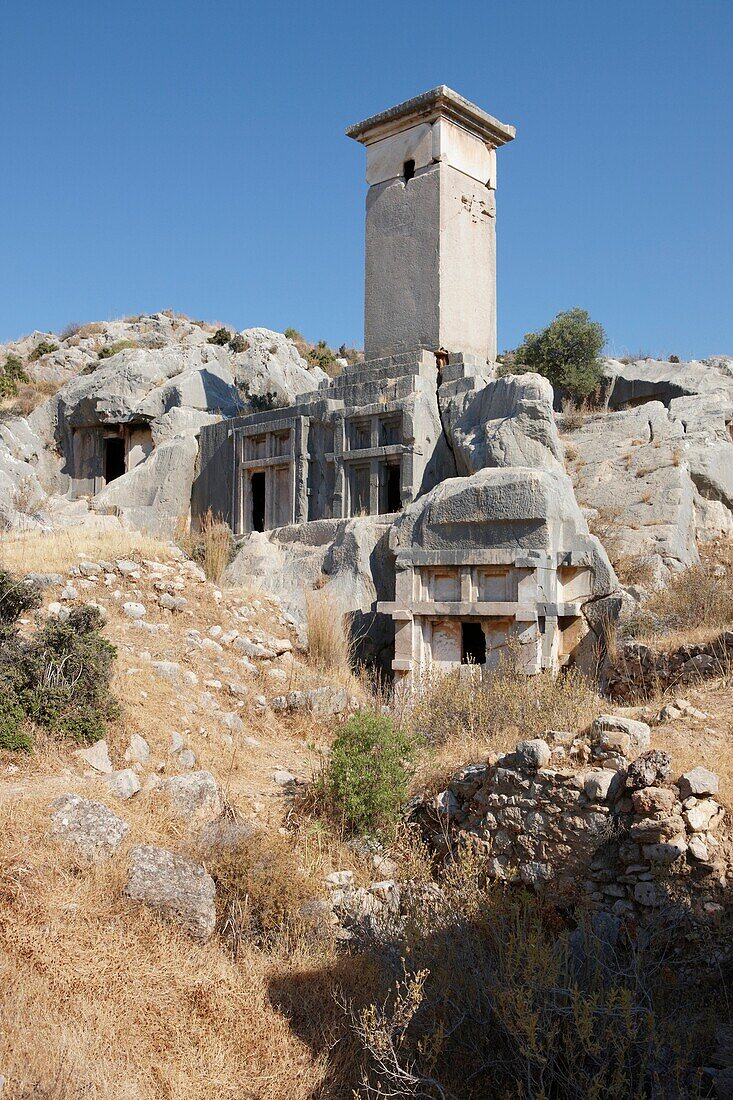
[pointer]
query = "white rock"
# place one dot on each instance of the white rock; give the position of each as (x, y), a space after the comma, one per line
(169, 670)
(134, 610)
(124, 784)
(97, 756)
(283, 777)
(138, 751)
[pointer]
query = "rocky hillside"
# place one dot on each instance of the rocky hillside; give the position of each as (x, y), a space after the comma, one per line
(162, 371)
(178, 876)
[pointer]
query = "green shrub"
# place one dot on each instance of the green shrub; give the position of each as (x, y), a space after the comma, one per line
(11, 376)
(293, 334)
(321, 355)
(59, 678)
(112, 349)
(567, 352)
(14, 736)
(365, 782)
(221, 337)
(44, 348)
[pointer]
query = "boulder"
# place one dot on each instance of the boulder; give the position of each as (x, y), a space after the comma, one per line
(533, 755)
(638, 733)
(179, 889)
(87, 826)
(195, 796)
(124, 784)
(651, 769)
(507, 423)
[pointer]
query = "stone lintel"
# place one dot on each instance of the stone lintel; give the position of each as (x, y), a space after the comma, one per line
(409, 558)
(439, 102)
(482, 610)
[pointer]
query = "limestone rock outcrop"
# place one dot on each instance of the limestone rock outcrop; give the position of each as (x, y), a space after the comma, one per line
(152, 380)
(656, 470)
(509, 422)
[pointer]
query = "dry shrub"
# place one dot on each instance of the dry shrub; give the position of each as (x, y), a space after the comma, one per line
(637, 569)
(264, 894)
(573, 415)
(696, 601)
(493, 710)
(26, 498)
(330, 642)
(212, 545)
(30, 395)
(499, 981)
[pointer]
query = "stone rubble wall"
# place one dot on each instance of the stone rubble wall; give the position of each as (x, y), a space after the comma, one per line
(596, 813)
(639, 671)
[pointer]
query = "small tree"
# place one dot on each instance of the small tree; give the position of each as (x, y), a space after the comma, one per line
(366, 779)
(567, 353)
(221, 337)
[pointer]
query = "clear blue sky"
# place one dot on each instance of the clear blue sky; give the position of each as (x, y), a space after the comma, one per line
(191, 155)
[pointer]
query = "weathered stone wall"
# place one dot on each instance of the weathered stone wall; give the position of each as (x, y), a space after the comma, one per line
(639, 671)
(597, 813)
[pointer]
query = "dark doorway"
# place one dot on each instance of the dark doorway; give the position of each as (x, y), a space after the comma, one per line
(257, 485)
(114, 458)
(408, 170)
(394, 491)
(473, 644)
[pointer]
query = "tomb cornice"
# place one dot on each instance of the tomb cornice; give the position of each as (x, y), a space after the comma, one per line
(439, 102)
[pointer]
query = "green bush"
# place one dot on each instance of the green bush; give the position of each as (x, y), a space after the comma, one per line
(322, 356)
(567, 352)
(365, 782)
(14, 736)
(58, 678)
(11, 375)
(44, 348)
(112, 349)
(221, 337)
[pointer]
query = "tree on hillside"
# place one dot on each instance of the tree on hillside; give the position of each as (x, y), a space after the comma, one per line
(567, 352)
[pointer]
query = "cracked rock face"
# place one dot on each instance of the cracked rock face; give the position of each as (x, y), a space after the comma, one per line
(657, 470)
(509, 422)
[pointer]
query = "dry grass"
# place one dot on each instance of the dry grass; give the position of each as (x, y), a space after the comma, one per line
(695, 605)
(635, 569)
(57, 551)
(464, 717)
(211, 545)
(97, 993)
(330, 644)
(573, 415)
(29, 396)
